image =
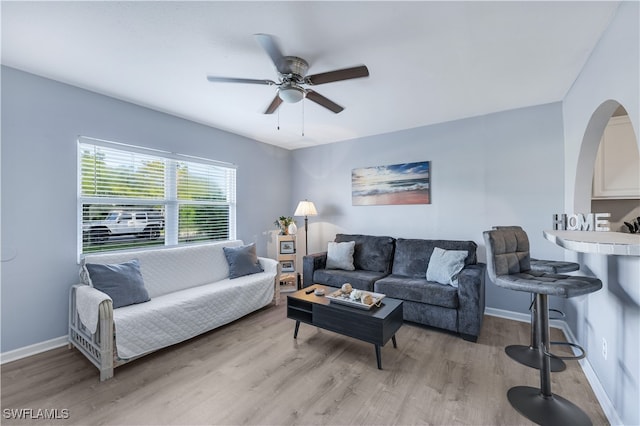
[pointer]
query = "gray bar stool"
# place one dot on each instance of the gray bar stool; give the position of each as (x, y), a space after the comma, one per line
(509, 266)
(528, 355)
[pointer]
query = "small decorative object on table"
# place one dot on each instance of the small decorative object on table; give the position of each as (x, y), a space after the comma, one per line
(283, 222)
(292, 228)
(357, 298)
(634, 227)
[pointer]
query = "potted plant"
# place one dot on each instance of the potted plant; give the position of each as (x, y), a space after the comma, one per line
(284, 222)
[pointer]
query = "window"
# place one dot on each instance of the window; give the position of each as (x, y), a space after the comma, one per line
(131, 197)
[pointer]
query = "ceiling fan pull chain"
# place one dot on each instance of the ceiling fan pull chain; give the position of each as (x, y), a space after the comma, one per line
(302, 118)
(278, 119)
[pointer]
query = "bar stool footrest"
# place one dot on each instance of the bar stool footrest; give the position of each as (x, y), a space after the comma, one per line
(561, 314)
(582, 354)
(526, 355)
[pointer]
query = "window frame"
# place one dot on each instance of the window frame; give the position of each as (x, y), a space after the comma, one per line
(170, 201)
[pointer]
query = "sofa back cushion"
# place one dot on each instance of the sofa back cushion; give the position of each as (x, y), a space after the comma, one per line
(411, 257)
(171, 269)
(371, 253)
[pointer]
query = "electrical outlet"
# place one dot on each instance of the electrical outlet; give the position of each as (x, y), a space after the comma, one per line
(604, 348)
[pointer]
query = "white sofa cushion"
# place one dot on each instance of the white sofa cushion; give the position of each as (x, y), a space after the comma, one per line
(445, 265)
(340, 255)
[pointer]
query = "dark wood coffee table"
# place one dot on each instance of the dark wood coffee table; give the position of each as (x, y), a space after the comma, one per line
(377, 325)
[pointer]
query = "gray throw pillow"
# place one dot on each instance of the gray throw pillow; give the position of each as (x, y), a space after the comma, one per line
(242, 260)
(122, 282)
(340, 255)
(445, 265)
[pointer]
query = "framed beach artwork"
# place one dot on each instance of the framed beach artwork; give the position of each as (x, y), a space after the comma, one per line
(406, 183)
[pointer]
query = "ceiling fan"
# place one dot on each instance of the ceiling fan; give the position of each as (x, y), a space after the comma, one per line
(293, 78)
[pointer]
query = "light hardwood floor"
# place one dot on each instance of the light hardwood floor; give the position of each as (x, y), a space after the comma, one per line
(253, 372)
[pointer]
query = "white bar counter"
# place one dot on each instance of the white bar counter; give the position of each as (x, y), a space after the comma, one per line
(614, 243)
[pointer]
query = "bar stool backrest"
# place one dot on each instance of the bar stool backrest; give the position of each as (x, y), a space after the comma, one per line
(507, 251)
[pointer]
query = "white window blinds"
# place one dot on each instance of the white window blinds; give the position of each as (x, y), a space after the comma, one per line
(206, 196)
(132, 197)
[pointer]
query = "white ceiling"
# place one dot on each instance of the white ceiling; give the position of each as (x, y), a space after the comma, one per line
(429, 62)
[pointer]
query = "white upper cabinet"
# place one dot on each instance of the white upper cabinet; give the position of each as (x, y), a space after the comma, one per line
(617, 168)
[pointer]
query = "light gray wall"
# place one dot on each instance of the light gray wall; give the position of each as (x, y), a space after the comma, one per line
(608, 79)
(500, 169)
(41, 121)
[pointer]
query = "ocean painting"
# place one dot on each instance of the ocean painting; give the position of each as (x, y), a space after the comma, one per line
(407, 183)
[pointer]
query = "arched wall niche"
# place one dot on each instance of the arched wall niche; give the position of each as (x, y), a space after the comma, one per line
(588, 152)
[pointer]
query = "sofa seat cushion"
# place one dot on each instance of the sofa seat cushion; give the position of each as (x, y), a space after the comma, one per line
(371, 253)
(418, 290)
(178, 316)
(359, 279)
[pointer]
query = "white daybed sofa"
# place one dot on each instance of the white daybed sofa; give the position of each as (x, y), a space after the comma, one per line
(190, 293)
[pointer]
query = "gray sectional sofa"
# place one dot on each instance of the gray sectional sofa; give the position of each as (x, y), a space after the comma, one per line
(398, 268)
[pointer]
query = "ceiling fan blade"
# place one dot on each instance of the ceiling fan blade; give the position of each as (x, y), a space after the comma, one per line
(338, 75)
(269, 44)
(325, 102)
(275, 103)
(214, 79)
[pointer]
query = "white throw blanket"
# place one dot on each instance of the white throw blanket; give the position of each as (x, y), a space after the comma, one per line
(172, 318)
(88, 300)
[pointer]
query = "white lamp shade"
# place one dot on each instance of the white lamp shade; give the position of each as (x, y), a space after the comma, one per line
(306, 208)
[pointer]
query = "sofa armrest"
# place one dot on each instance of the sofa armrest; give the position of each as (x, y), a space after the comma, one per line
(271, 266)
(311, 263)
(268, 265)
(471, 298)
(98, 347)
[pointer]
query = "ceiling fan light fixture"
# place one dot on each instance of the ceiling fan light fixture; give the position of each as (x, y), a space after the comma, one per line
(293, 78)
(291, 93)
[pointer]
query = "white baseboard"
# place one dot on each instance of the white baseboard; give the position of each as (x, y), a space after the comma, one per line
(501, 313)
(36, 348)
(592, 378)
